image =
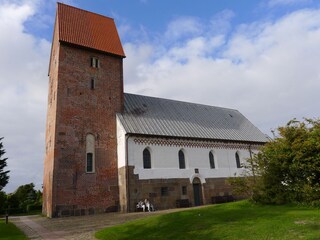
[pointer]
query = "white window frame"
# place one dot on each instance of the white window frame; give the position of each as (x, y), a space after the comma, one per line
(90, 148)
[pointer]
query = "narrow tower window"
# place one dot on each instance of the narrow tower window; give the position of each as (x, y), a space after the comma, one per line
(146, 159)
(182, 162)
(89, 162)
(92, 84)
(95, 63)
(90, 156)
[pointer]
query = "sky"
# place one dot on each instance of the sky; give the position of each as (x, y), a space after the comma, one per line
(259, 57)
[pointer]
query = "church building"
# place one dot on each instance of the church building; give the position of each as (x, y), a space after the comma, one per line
(106, 150)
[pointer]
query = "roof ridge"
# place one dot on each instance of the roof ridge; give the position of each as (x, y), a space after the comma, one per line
(173, 100)
(83, 10)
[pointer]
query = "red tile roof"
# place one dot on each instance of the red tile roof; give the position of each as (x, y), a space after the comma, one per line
(87, 29)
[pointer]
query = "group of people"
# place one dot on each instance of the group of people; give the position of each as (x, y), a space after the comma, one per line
(145, 205)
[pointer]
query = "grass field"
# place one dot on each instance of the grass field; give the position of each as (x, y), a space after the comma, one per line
(239, 220)
(10, 231)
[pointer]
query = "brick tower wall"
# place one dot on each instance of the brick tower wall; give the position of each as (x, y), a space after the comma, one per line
(80, 110)
(50, 126)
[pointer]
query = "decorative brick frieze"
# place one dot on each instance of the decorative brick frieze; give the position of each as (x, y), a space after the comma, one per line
(195, 143)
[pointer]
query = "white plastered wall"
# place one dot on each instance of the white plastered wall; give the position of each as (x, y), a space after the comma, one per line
(165, 163)
(121, 144)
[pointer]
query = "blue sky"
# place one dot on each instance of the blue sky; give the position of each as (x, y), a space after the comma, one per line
(260, 57)
(154, 16)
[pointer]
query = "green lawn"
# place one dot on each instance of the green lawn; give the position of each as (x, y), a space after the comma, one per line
(239, 220)
(10, 231)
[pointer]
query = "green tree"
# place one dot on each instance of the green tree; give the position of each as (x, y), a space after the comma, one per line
(4, 178)
(13, 201)
(287, 169)
(3, 202)
(22, 197)
(38, 198)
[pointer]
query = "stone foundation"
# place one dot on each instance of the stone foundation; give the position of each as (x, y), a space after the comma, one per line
(74, 210)
(169, 193)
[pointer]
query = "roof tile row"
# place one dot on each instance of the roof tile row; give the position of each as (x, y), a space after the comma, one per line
(87, 29)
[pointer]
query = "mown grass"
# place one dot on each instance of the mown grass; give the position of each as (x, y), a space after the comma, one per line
(239, 220)
(10, 231)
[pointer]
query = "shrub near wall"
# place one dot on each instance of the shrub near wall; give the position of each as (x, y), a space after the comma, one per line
(34, 207)
(287, 168)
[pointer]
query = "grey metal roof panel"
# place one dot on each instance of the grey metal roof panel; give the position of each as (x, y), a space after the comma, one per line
(164, 117)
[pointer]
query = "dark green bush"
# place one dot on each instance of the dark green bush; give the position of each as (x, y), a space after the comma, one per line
(34, 207)
(13, 211)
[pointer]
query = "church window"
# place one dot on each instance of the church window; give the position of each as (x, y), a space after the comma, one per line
(182, 162)
(146, 159)
(95, 63)
(211, 160)
(164, 191)
(90, 156)
(238, 160)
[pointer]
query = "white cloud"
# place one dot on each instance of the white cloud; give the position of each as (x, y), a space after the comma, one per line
(267, 70)
(221, 22)
(195, 47)
(23, 67)
(134, 65)
(182, 27)
(274, 3)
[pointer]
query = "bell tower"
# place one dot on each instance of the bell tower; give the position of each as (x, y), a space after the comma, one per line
(85, 93)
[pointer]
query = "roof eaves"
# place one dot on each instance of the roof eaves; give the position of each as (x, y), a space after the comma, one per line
(196, 138)
(91, 49)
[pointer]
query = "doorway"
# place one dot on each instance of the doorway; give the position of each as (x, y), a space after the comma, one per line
(197, 192)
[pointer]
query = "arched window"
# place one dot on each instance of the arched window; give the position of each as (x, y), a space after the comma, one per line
(238, 160)
(90, 156)
(182, 162)
(146, 159)
(211, 160)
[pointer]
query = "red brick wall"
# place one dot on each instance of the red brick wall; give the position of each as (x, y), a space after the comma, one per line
(50, 126)
(80, 111)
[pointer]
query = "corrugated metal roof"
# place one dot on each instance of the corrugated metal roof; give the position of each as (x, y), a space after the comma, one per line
(164, 117)
(88, 29)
